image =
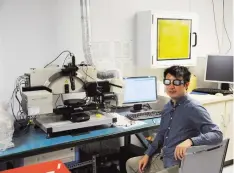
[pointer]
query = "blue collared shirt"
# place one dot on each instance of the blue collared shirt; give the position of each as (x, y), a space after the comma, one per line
(185, 120)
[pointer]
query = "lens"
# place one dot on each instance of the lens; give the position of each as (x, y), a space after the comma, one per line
(167, 82)
(177, 82)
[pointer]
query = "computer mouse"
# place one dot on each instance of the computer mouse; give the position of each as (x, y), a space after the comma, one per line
(219, 94)
(79, 117)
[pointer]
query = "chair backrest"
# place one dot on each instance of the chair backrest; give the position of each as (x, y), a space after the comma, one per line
(205, 158)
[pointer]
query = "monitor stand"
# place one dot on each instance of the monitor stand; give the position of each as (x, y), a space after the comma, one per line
(225, 86)
(136, 108)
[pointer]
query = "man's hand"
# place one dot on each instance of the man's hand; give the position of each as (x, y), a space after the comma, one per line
(143, 162)
(181, 149)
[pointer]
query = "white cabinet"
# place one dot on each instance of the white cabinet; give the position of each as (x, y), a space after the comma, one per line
(228, 130)
(217, 113)
(222, 114)
(166, 38)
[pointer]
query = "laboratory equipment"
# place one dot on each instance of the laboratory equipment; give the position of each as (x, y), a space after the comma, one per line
(46, 85)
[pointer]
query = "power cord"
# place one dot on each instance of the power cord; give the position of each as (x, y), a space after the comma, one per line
(19, 81)
(58, 57)
(82, 68)
(215, 25)
(231, 87)
(224, 25)
(57, 101)
(68, 55)
(22, 121)
(21, 128)
(147, 105)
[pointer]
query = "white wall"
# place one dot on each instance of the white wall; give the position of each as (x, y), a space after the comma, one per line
(114, 21)
(228, 14)
(27, 38)
(68, 26)
(33, 32)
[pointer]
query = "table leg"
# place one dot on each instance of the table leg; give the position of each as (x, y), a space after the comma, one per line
(94, 164)
(127, 140)
(142, 139)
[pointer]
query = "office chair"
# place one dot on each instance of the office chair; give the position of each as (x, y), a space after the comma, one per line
(205, 159)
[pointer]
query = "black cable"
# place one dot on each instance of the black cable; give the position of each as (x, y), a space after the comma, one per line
(15, 92)
(13, 112)
(57, 100)
(21, 115)
(224, 25)
(148, 106)
(20, 87)
(215, 25)
(21, 132)
(17, 98)
(20, 106)
(57, 57)
(12, 106)
(116, 104)
(19, 81)
(20, 128)
(66, 59)
(231, 88)
(86, 72)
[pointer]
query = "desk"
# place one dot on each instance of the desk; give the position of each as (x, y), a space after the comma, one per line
(35, 142)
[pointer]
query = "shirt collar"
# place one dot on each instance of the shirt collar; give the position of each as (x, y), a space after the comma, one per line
(180, 101)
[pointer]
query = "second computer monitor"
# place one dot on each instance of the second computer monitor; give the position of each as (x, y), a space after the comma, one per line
(219, 69)
(139, 90)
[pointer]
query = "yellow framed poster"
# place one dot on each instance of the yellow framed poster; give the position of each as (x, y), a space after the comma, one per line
(173, 39)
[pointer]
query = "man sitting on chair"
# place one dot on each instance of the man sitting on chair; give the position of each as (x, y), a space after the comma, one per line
(184, 123)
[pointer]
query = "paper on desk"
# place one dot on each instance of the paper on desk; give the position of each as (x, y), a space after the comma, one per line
(135, 124)
(125, 123)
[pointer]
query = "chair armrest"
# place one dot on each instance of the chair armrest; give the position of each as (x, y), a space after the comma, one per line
(200, 148)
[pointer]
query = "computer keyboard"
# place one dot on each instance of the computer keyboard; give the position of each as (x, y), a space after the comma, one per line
(212, 91)
(144, 115)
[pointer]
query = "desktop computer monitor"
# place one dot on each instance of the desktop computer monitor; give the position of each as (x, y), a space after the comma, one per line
(139, 90)
(220, 69)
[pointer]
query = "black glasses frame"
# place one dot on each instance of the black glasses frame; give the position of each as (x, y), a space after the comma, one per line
(176, 82)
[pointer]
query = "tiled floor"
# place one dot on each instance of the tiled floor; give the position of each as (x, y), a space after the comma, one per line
(228, 169)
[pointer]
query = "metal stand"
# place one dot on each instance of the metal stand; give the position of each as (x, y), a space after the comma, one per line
(127, 140)
(74, 165)
(142, 140)
(52, 124)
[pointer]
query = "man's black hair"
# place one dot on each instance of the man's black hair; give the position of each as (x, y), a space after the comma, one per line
(178, 71)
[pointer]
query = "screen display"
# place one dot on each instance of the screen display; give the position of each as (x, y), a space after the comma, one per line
(140, 89)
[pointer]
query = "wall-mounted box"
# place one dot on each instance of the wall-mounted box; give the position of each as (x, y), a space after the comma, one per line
(166, 38)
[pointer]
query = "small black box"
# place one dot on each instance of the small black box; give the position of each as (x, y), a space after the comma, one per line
(96, 88)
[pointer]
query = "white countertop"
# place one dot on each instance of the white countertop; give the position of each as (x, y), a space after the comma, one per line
(208, 99)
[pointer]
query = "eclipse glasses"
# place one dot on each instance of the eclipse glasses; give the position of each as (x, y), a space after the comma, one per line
(175, 82)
